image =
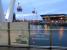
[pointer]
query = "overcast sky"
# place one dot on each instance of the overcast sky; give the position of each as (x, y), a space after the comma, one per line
(42, 6)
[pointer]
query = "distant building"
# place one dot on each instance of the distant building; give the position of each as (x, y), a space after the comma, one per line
(54, 18)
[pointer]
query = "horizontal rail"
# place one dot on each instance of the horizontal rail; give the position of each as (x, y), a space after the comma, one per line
(40, 47)
(30, 30)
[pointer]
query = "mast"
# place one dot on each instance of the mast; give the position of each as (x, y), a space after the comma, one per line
(9, 13)
(2, 18)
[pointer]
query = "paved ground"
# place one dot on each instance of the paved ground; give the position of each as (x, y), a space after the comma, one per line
(6, 48)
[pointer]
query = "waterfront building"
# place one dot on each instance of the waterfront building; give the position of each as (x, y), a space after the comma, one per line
(54, 18)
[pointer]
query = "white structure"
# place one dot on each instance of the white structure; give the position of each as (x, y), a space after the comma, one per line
(19, 13)
(2, 17)
(32, 16)
(20, 16)
(9, 13)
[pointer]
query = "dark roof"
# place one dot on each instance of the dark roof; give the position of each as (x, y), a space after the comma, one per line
(54, 15)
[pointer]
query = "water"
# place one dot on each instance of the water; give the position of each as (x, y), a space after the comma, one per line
(45, 35)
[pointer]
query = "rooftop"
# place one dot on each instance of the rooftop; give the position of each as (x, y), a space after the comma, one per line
(54, 15)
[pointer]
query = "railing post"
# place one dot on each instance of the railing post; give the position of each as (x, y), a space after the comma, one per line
(9, 34)
(29, 35)
(50, 38)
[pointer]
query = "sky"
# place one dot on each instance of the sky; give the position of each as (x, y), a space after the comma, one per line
(41, 6)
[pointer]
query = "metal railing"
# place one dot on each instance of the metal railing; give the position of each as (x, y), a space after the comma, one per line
(30, 31)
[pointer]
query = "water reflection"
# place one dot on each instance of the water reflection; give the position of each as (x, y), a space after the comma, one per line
(42, 33)
(46, 29)
(61, 31)
(40, 37)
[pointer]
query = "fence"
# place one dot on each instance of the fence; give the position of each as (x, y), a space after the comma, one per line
(14, 34)
(24, 34)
